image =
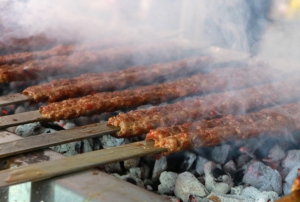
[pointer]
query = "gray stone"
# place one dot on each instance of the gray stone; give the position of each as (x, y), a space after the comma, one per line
(108, 141)
(159, 166)
(263, 177)
(219, 154)
(199, 165)
(211, 184)
(167, 180)
(189, 159)
(30, 129)
(131, 163)
(187, 184)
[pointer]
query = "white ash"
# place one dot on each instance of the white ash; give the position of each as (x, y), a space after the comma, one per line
(187, 184)
(159, 166)
(167, 182)
(199, 164)
(219, 154)
(263, 177)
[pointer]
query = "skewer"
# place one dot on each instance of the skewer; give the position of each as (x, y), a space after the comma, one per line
(46, 140)
(45, 170)
(14, 99)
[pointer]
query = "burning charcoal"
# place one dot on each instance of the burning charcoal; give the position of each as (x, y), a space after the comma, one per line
(213, 197)
(276, 153)
(131, 163)
(292, 158)
(68, 149)
(263, 177)
(236, 190)
(159, 166)
(113, 168)
(224, 183)
(136, 172)
(188, 161)
(187, 184)
(290, 179)
(219, 154)
(30, 129)
(242, 160)
(87, 146)
(108, 141)
(199, 165)
(230, 168)
(167, 180)
(20, 109)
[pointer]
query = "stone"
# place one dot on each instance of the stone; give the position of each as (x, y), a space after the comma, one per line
(187, 184)
(219, 154)
(199, 164)
(131, 163)
(167, 180)
(263, 177)
(159, 166)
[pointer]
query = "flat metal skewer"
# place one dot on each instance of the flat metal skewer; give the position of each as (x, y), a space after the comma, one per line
(13, 99)
(45, 170)
(50, 139)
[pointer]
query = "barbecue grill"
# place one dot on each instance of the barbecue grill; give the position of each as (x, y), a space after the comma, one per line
(175, 67)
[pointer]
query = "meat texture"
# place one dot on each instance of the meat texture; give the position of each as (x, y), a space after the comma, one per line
(137, 122)
(85, 84)
(84, 61)
(276, 121)
(216, 80)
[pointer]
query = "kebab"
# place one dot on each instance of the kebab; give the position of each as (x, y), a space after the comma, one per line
(137, 122)
(109, 59)
(216, 80)
(94, 82)
(276, 121)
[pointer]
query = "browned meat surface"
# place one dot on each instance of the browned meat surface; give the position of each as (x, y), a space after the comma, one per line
(217, 80)
(90, 83)
(108, 59)
(137, 122)
(280, 120)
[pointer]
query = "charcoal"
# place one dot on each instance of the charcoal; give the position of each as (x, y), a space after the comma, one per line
(267, 196)
(251, 192)
(242, 160)
(48, 130)
(87, 146)
(69, 125)
(167, 180)
(199, 165)
(96, 144)
(20, 109)
(68, 149)
(214, 197)
(30, 129)
(136, 172)
(219, 154)
(146, 172)
(250, 147)
(171, 198)
(290, 178)
(131, 179)
(189, 159)
(264, 148)
(108, 141)
(222, 186)
(113, 168)
(159, 166)
(263, 177)
(187, 184)
(236, 190)
(276, 153)
(131, 163)
(193, 198)
(150, 188)
(230, 168)
(292, 158)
